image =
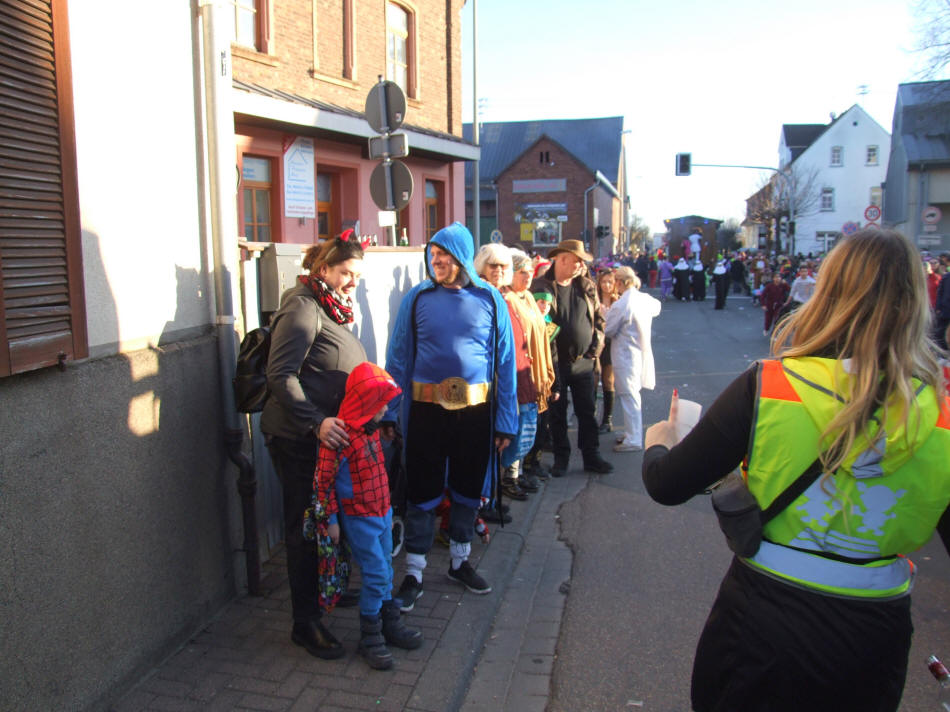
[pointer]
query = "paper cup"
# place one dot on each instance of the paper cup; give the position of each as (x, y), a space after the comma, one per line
(687, 415)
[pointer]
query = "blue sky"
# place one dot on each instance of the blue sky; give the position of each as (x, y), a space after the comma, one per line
(717, 79)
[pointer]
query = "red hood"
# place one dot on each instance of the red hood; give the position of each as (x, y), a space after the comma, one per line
(368, 388)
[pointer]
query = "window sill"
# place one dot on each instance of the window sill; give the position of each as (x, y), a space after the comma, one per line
(253, 55)
(338, 81)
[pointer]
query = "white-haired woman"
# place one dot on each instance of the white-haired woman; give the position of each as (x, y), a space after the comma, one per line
(629, 324)
(493, 263)
(818, 618)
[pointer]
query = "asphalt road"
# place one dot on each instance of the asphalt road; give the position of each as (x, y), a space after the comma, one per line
(644, 575)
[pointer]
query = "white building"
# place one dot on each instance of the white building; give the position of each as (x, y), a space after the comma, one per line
(839, 170)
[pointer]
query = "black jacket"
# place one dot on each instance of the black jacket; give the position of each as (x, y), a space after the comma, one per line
(310, 358)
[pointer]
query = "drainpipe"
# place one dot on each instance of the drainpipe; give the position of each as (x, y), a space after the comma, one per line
(587, 212)
(219, 129)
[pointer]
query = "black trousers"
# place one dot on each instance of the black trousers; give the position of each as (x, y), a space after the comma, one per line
(579, 377)
(445, 448)
(294, 462)
(770, 647)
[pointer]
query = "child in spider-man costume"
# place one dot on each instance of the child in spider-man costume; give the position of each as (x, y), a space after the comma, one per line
(354, 483)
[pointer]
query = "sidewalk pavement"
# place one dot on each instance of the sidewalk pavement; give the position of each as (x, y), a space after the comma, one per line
(494, 651)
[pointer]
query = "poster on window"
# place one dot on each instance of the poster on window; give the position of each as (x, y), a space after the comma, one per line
(543, 221)
(299, 189)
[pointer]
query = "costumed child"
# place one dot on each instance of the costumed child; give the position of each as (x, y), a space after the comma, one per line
(774, 295)
(353, 482)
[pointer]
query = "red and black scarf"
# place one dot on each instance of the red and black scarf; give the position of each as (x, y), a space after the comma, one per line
(340, 310)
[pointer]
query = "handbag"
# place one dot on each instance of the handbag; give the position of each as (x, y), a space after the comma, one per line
(333, 559)
(741, 519)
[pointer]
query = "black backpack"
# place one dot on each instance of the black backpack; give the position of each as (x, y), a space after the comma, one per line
(250, 376)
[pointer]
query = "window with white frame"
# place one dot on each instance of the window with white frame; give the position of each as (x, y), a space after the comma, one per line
(877, 196)
(871, 156)
(248, 24)
(837, 155)
(400, 48)
(827, 200)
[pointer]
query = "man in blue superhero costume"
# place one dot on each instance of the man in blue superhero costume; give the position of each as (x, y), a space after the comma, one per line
(451, 353)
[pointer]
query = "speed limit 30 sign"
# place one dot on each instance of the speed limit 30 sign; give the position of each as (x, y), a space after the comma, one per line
(872, 213)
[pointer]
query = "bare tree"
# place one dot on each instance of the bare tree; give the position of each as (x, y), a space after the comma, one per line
(771, 202)
(639, 231)
(726, 235)
(933, 36)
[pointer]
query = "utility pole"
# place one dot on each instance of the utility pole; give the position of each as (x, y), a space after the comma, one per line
(476, 177)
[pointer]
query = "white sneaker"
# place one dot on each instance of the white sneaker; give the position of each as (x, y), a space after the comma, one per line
(627, 447)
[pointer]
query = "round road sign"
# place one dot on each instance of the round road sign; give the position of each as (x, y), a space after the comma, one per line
(872, 213)
(496, 235)
(401, 186)
(850, 227)
(385, 107)
(931, 215)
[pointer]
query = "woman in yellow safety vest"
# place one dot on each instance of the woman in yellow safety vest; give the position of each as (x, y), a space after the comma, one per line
(819, 617)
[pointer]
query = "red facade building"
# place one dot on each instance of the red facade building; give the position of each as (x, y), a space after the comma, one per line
(302, 70)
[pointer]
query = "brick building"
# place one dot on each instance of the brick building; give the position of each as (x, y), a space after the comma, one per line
(302, 71)
(546, 181)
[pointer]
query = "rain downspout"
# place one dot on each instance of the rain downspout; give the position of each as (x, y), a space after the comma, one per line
(219, 128)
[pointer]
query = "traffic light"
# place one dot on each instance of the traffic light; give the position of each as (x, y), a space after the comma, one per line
(683, 161)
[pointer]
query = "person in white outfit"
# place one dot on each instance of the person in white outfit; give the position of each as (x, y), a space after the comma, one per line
(629, 321)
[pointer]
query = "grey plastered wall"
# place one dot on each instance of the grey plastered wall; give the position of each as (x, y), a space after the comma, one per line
(115, 542)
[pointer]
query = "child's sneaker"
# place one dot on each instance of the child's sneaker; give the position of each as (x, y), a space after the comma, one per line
(409, 592)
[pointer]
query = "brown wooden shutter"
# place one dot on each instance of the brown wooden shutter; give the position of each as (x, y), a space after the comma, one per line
(42, 311)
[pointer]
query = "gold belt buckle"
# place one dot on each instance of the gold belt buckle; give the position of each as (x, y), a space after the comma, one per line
(453, 393)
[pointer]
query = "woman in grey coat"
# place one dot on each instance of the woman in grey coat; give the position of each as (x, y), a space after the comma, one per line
(312, 352)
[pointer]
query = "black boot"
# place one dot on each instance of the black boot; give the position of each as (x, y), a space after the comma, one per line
(318, 641)
(607, 422)
(372, 644)
(395, 630)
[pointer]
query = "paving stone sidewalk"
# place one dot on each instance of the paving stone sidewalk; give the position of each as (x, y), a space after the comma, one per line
(495, 650)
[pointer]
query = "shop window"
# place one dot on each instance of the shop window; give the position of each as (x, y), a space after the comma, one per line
(547, 233)
(435, 211)
(256, 198)
(400, 47)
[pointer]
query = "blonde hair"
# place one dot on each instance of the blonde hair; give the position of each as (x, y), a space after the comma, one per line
(870, 305)
(626, 276)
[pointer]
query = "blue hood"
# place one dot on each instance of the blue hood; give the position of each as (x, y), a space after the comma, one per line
(457, 241)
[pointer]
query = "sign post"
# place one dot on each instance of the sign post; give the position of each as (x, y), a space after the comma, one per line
(390, 184)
